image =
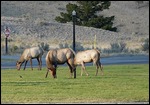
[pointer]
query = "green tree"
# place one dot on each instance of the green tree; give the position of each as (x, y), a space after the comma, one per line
(87, 14)
(67, 17)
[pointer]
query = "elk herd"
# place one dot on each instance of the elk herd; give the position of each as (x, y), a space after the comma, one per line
(56, 57)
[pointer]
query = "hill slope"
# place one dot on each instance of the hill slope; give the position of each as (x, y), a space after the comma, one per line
(34, 22)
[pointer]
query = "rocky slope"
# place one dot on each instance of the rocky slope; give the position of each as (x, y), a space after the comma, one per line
(34, 22)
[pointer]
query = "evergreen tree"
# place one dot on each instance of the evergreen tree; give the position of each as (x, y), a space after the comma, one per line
(87, 14)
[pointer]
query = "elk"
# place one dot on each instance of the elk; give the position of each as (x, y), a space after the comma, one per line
(29, 54)
(59, 56)
(88, 56)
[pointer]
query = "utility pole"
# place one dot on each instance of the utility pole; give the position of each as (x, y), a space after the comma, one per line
(7, 33)
(74, 18)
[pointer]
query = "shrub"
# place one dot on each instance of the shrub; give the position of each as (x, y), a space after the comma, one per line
(41, 22)
(116, 48)
(13, 49)
(145, 46)
(78, 46)
(45, 46)
(63, 45)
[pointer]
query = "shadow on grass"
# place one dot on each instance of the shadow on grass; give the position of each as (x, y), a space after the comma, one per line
(25, 83)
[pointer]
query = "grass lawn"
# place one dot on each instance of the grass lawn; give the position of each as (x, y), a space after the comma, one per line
(120, 83)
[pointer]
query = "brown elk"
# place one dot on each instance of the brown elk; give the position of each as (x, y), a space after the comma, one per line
(29, 54)
(59, 56)
(88, 56)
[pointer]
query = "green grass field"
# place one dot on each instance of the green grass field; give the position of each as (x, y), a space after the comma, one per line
(120, 83)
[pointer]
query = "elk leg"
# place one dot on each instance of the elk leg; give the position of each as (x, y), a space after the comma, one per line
(54, 73)
(71, 70)
(72, 67)
(31, 64)
(38, 63)
(47, 73)
(25, 65)
(83, 68)
(97, 67)
(101, 68)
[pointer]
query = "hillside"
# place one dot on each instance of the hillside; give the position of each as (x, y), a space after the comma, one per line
(34, 22)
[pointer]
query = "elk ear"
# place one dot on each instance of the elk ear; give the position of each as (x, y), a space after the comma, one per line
(18, 62)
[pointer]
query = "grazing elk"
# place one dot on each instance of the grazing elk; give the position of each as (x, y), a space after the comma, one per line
(29, 54)
(88, 56)
(59, 56)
